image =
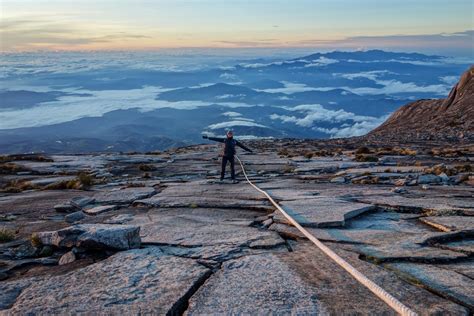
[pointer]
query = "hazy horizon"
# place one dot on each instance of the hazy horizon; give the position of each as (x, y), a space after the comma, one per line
(422, 26)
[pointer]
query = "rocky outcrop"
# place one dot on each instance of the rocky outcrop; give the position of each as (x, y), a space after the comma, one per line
(93, 236)
(444, 119)
(211, 247)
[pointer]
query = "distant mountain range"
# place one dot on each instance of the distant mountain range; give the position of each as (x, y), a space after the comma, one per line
(81, 105)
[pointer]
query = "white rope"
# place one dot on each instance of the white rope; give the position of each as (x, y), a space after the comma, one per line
(377, 290)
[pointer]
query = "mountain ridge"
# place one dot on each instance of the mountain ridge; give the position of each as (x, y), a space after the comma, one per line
(450, 119)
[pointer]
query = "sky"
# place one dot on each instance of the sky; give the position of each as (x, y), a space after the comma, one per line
(421, 25)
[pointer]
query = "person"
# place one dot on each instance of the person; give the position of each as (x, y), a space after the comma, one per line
(228, 152)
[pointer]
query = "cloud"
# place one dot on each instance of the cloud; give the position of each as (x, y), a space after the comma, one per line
(356, 129)
(266, 42)
(96, 104)
(231, 114)
(43, 33)
(372, 75)
(395, 86)
(275, 63)
(289, 88)
(354, 125)
(452, 43)
(449, 80)
(235, 123)
(229, 96)
(390, 86)
(317, 113)
(322, 61)
(229, 77)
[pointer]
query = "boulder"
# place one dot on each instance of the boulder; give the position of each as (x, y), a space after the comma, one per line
(94, 236)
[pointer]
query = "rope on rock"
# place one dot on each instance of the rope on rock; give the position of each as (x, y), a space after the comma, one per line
(390, 300)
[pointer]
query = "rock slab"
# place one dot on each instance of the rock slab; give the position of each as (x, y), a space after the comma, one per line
(255, 285)
(138, 281)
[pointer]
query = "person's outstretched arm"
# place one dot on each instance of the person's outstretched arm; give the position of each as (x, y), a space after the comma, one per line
(244, 147)
(216, 139)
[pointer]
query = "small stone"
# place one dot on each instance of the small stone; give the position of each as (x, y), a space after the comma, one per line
(267, 222)
(399, 190)
(74, 217)
(100, 209)
(23, 173)
(68, 257)
(81, 201)
(25, 251)
(46, 251)
(64, 208)
(3, 276)
(338, 180)
(425, 187)
(400, 182)
(120, 219)
(444, 177)
(428, 179)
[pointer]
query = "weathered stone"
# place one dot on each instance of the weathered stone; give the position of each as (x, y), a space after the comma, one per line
(74, 217)
(454, 285)
(342, 295)
(444, 177)
(120, 219)
(46, 251)
(286, 231)
(450, 223)
(82, 201)
(399, 190)
(51, 180)
(100, 209)
(124, 196)
(428, 179)
(267, 222)
(260, 284)
(322, 211)
(25, 250)
(201, 202)
(96, 236)
(338, 180)
(68, 257)
(64, 208)
(139, 281)
(400, 182)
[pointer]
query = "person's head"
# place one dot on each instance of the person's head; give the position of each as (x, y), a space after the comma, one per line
(230, 134)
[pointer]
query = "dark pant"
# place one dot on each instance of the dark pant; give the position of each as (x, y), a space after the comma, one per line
(226, 159)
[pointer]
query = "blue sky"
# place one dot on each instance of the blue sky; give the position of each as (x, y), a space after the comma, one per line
(144, 24)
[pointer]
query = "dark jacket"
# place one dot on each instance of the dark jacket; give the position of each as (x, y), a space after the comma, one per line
(229, 145)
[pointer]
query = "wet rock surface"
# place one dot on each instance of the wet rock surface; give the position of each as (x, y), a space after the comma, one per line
(201, 246)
